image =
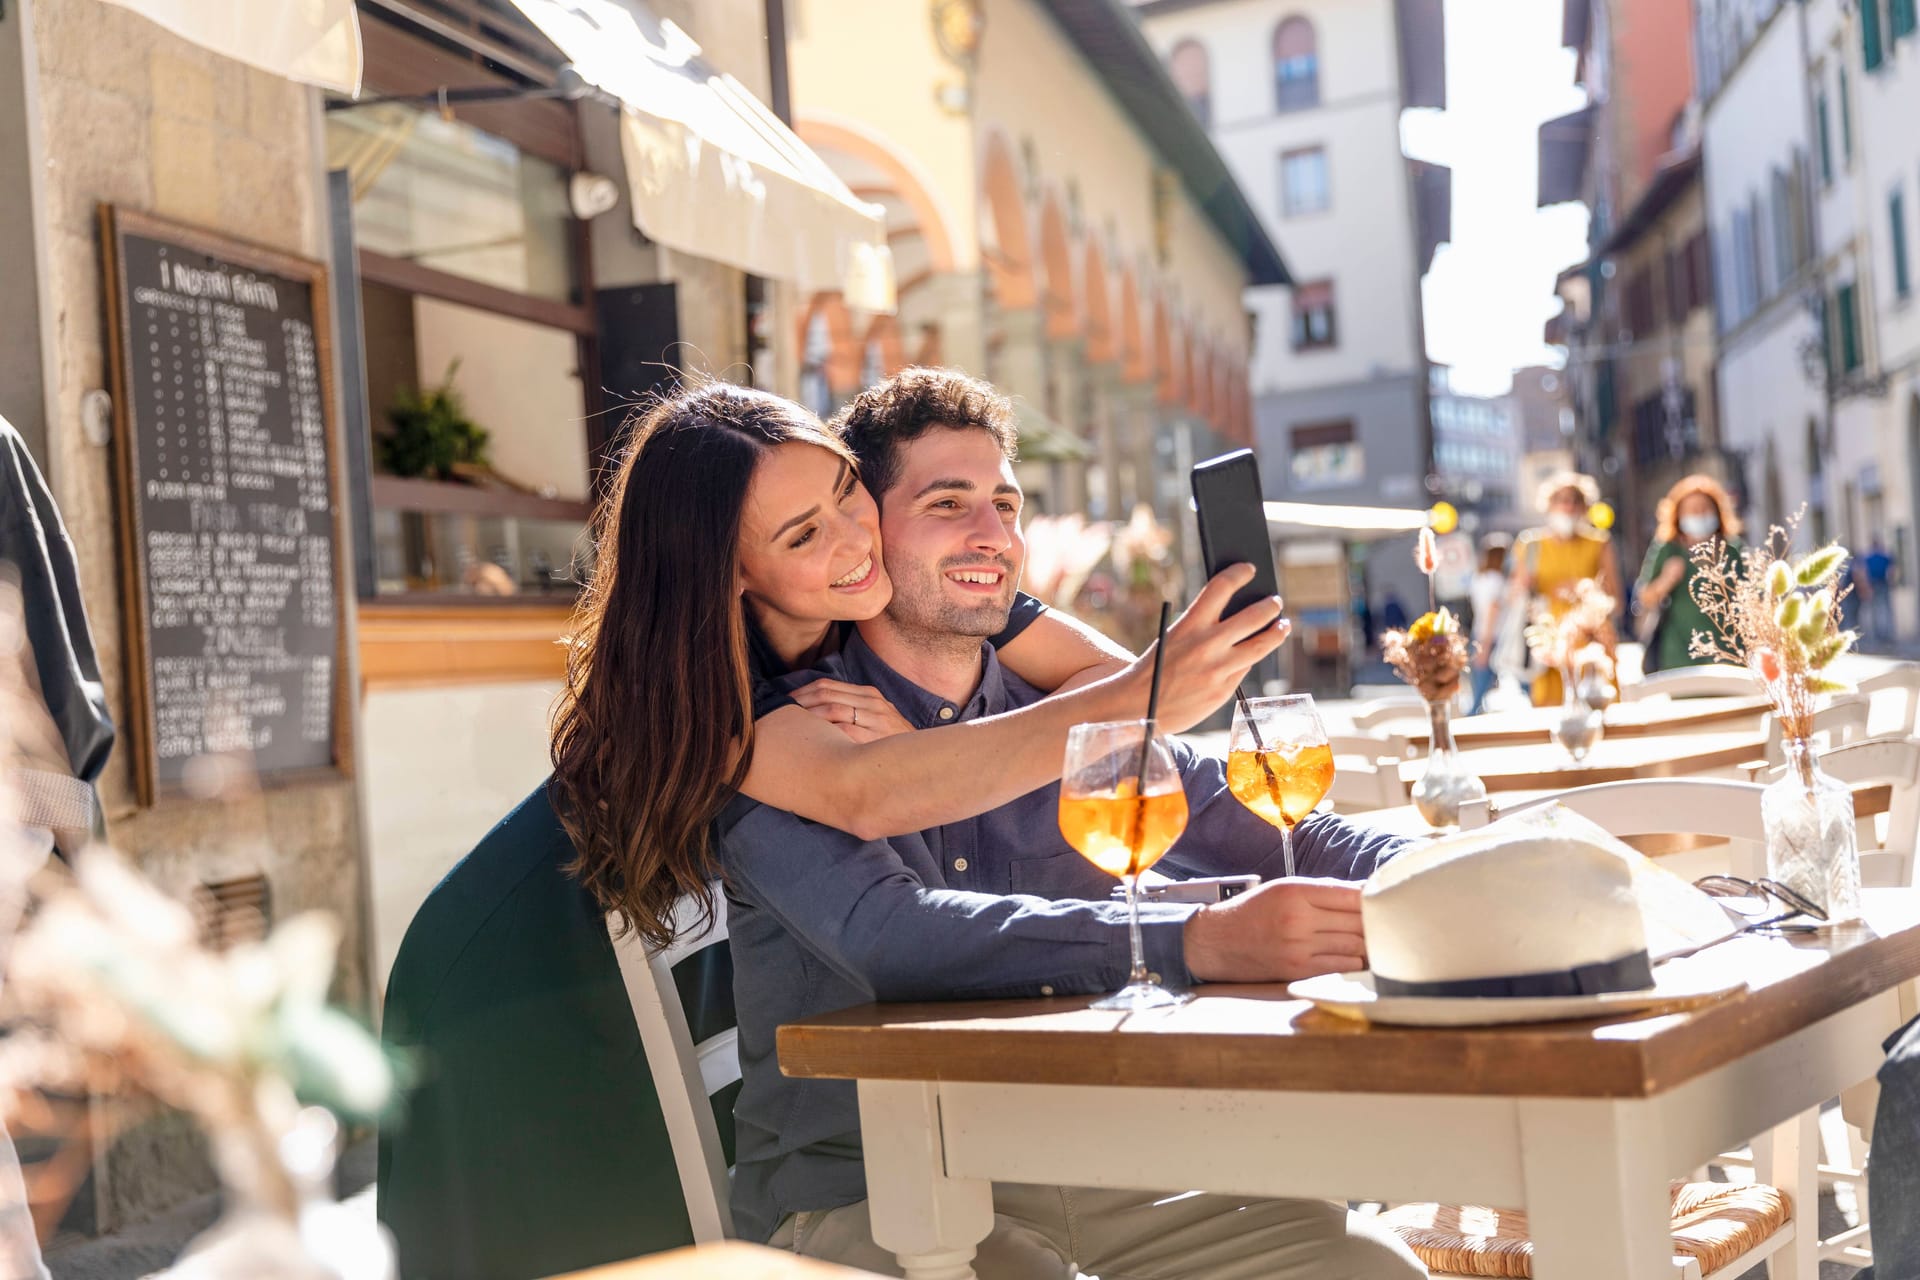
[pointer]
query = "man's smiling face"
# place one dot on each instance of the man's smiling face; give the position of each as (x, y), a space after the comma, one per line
(950, 534)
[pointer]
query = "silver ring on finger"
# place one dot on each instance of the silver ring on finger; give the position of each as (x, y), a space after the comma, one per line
(856, 715)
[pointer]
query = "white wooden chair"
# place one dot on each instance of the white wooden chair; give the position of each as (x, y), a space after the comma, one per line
(682, 1001)
(1365, 778)
(1376, 745)
(1895, 763)
(1405, 706)
(1720, 680)
(1895, 695)
(1842, 720)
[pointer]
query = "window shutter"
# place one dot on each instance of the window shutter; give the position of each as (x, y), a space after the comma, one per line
(1897, 216)
(1902, 15)
(1871, 52)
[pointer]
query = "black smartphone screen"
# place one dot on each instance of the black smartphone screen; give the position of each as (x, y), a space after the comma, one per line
(1233, 523)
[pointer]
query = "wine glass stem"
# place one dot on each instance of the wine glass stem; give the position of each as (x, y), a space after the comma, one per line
(1138, 975)
(1286, 847)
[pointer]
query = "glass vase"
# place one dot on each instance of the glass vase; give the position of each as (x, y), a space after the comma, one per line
(1446, 783)
(1812, 843)
(1580, 725)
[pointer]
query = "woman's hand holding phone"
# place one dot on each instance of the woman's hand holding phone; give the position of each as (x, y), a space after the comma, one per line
(1207, 655)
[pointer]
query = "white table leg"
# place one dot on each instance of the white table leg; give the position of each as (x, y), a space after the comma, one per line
(929, 1221)
(1597, 1201)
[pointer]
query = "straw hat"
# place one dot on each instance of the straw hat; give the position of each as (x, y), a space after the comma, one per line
(1537, 918)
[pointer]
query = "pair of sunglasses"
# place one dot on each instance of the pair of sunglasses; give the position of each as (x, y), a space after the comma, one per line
(1758, 902)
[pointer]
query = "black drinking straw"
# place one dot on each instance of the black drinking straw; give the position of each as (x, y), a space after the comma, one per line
(1146, 739)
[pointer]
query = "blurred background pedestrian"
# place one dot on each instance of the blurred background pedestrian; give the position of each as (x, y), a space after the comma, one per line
(1489, 584)
(1550, 562)
(1695, 511)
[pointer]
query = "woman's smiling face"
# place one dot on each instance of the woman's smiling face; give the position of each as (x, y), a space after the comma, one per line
(810, 539)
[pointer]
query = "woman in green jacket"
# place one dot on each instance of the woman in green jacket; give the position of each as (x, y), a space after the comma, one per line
(1695, 511)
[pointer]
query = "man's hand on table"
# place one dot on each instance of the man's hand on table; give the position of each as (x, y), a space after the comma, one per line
(1283, 930)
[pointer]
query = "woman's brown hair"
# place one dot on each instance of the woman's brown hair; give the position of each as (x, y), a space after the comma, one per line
(1667, 514)
(654, 730)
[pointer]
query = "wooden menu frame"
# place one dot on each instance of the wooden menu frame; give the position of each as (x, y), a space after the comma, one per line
(115, 224)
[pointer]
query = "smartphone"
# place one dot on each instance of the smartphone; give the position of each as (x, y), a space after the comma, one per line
(1233, 524)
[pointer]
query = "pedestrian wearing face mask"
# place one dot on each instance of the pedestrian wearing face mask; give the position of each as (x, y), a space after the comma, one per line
(1695, 512)
(1549, 562)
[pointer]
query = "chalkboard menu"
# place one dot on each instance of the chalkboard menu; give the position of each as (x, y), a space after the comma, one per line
(228, 510)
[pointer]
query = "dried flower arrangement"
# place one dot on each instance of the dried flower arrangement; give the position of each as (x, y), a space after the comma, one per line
(1578, 643)
(1778, 617)
(1431, 654)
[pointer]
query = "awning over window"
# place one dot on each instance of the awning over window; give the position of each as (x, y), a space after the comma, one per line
(1564, 143)
(1348, 524)
(710, 169)
(313, 41)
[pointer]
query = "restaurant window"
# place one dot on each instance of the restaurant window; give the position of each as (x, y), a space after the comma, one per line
(1325, 455)
(1313, 316)
(1296, 65)
(1192, 74)
(1303, 181)
(475, 339)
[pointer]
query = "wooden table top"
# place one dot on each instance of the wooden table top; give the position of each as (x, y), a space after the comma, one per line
(727, 1260)
(1257, 1038)
(1650, 718)
(1543, 766)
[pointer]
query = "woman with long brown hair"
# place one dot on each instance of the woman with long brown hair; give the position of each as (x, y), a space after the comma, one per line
(1696, 510)
(736, 544)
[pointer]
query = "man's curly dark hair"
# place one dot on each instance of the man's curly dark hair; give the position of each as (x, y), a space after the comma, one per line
(900, 409)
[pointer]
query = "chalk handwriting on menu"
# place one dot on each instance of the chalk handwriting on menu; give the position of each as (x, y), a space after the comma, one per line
(234, 497)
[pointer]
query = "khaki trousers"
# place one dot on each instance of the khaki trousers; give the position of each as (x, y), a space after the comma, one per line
(1054, 1233)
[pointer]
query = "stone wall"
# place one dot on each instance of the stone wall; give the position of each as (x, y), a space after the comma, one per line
(134, 116)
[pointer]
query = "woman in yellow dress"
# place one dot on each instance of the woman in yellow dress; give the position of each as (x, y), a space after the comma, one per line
(1549, 562)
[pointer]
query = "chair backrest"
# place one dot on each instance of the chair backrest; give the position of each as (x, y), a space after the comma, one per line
(1718, 807)
(1382, 745)
(1895, 763)
(682, 1001)
(1688, 682)
(1402, 706)
(1843, 720)
(1898, 684)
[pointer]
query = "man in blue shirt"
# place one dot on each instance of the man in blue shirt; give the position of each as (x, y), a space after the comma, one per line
(1875, 580)
(1000, 905)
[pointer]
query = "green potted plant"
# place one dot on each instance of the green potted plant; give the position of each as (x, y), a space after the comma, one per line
(431, 435)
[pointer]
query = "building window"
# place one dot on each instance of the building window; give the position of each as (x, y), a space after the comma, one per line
(1901, 18)
(1871, 51)
(1897, 216)
(1781, 215)
(1193, 75)
(1846, 121)
(1325, 456)
(1826, 142)
(1296, 65)
(1303, 181)
(1313, 317)
(1847, 330)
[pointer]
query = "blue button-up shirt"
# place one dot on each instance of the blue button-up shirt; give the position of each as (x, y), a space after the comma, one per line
(996, 906)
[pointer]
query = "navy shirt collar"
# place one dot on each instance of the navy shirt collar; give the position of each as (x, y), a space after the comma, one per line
(857, 663)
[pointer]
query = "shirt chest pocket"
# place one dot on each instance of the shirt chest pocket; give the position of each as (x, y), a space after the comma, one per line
(1060, 875)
